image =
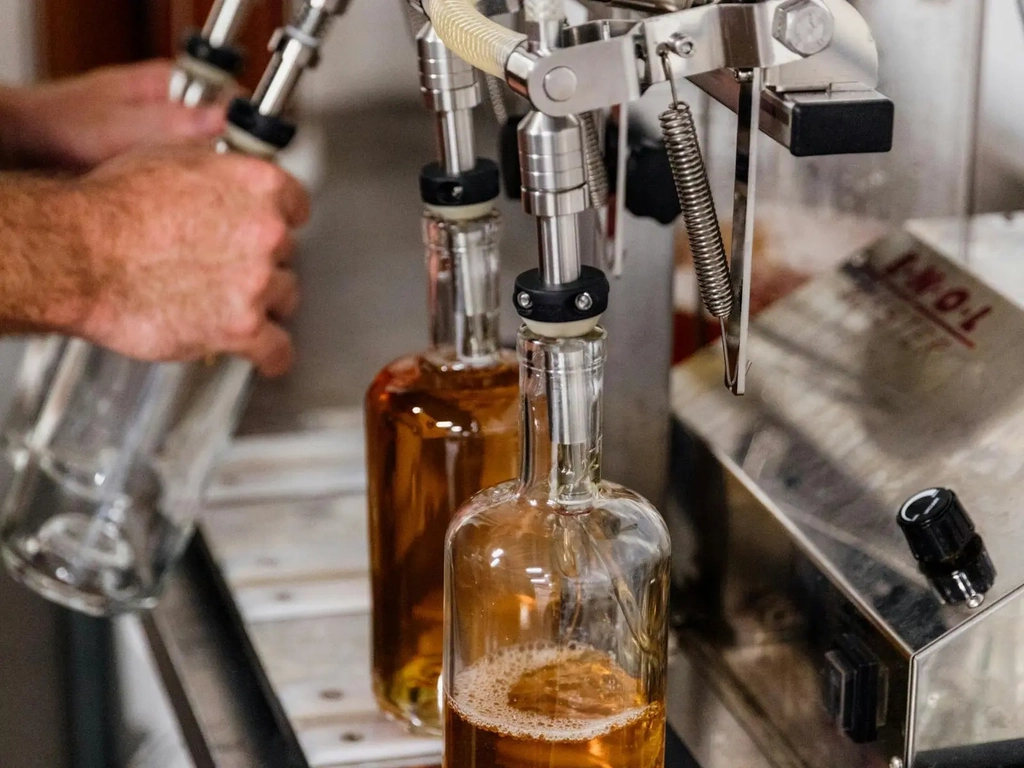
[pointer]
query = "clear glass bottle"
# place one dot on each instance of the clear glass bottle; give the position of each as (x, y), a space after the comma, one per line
(192, 83)
(102, 491)
(440, 426)
(556, 592)
(107, 456)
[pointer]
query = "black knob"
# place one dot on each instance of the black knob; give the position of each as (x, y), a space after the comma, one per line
(948, 550)
(936, 525)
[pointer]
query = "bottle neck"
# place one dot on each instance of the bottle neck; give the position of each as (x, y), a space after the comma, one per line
(463, 285)
(561, 384)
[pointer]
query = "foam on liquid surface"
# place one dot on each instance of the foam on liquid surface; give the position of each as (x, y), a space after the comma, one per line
(548, 693)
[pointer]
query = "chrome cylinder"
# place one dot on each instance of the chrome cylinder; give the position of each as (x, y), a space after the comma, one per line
(559, 241)
(225, 21)
(555, 190)
(452, 90)
(456, 147)
(296, 48)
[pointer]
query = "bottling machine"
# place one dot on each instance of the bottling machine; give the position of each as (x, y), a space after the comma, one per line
(843, 533)
(840, 477)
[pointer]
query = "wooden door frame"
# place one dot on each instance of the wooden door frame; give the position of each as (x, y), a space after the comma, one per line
(72, 37)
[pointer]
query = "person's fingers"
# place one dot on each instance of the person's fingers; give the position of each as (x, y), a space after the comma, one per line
(284, 253)
(294, 200)
(162, 123)
(175, 121)
(282, 294)
(145, 82)
(270, 350)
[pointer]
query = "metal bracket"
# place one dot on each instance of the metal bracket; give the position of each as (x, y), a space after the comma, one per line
(803, 96)
(736, 328)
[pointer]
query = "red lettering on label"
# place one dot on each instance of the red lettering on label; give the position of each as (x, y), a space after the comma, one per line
(900, 263)
(927, 278)
(951, 300)
(972, 322)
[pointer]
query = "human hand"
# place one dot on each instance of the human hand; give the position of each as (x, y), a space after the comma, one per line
(78, 123)
(189, 253)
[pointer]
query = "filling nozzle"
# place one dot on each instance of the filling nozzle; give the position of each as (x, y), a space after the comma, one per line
(225, 21)
(296, 48)
(562, 298)
(209, 60)
(451, 89)
(255, 125)
(461, 227)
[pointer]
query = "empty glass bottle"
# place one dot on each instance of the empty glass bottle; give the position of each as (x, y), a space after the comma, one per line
(194, 83)
(440, 426)
(107, 455)
(103, 490)
(556, 592)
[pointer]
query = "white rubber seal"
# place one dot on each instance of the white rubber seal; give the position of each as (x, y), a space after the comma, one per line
(203, 71)
(246, 143)
(563, 330)
(461, 212)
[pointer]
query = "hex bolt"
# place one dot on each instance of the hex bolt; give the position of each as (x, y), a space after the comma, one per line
(681, 45)
(560, 84)
(804, 26)
(524, 300)
(584, 302)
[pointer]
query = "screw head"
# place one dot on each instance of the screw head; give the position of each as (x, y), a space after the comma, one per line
(804, 26)
(560, 84)
(584, 302)
(524, 300)
(896, 762)
(681, 45)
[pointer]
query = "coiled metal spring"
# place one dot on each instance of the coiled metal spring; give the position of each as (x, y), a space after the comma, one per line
(698, 206)
(597, 173)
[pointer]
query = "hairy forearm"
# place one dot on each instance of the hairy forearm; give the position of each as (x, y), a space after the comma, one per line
(47, 278)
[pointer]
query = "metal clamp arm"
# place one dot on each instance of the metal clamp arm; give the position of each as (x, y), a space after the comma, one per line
(818, 57)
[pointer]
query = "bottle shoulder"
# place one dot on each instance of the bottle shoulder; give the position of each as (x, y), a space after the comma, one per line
(424, 371)
(435, 401)
(509, 512)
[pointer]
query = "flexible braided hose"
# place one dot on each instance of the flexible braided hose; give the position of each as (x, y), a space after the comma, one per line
(472, 36)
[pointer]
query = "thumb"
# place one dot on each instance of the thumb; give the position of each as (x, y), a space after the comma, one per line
(165, 122)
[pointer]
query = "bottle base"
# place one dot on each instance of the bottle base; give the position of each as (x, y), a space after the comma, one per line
(410, 697)
(85, 596)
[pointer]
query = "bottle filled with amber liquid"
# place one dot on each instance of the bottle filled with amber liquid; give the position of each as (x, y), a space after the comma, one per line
(556, 592)
(440, 426)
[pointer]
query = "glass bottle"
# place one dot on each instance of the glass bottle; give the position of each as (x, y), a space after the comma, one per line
(556, 592)
(193, 84)
(440, 426)
(102, 492)
(107, 456)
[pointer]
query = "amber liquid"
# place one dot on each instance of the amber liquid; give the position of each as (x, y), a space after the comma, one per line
(546, 707)
(436, 434)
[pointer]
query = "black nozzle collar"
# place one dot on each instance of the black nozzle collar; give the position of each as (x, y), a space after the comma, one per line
(268, 129)
(582, 299)
(225, 57)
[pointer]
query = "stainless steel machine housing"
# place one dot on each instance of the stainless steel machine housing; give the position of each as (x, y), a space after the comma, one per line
(896, 374)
